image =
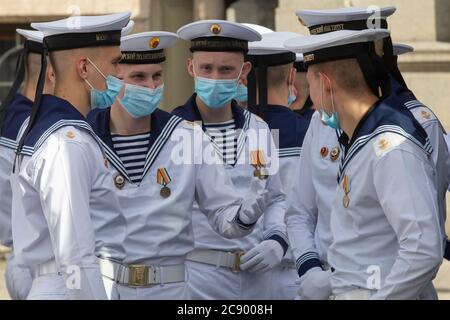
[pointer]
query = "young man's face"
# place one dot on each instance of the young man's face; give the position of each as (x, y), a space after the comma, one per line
(107, 60)
(218, 65)
(143, 75)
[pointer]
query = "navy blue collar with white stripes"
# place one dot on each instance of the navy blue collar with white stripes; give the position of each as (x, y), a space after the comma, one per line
(16, 114)
(162, 126)
(292, 129)
(382, 118)
(54, 113)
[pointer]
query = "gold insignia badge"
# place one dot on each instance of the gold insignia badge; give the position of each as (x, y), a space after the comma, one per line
(70, 135)
(216, 28)
(324, 152)
(335, 153)
(106, 162)
(119, 181)
(426, 115)
(154, 43)
(346, 187)
(258, 161)
(383, 144)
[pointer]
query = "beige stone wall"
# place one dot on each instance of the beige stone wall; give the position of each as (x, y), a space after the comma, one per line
(423, 24)
(31, 10)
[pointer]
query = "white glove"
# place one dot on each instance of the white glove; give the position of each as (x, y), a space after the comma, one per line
(315, 285)
(263, 257)
(254, 204)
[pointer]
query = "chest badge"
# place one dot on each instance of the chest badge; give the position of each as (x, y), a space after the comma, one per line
(119, 181)
(163, 178)
(324, 152)
(335, 153)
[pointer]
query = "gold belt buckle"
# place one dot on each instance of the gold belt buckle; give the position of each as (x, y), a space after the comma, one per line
(237, 261)
(138, 275)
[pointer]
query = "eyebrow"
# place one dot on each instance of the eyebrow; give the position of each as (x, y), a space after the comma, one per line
(137, 73)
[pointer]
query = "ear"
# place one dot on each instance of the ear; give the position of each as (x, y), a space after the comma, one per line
(50, 74)
(247, 67)
(291, 77)
(190, 66)
(326, 81)
(81, 66)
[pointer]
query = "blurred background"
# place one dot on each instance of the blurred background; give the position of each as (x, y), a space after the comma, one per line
(423, 24)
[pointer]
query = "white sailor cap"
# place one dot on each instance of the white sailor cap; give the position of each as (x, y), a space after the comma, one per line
(349, 18)
(336, 45)
(33, 41)
(128, 29)
(270, 51)
(146, 47)
(218, 35)
(400, 49)
(31, 35)
(299, 64)
(271, 43)
(260, 29)
(83, 31)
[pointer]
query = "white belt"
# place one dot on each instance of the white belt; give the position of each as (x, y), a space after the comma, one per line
(360, 294)
(44, 269)
(224, 259)
(141, 275)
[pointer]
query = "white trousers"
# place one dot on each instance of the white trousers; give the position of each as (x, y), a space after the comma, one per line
(171, 291)
(283, 286)
(18, 280)
(207, 282)
(48, 287)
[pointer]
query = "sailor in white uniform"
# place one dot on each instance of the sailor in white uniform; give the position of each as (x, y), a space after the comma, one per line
(65, 211)
(14, 112)
(384, 222)
(157, 188)
(219, 268)
(310, 215)
(270, 97)
(324, 21)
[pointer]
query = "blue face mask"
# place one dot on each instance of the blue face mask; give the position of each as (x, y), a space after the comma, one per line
(242, 93)
(140, 101)
(333, 120)
(104, 98)
(216, 93)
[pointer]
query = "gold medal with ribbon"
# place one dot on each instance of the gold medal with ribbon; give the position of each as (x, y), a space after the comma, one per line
(346, 187)
(163, 178)
(258, 161)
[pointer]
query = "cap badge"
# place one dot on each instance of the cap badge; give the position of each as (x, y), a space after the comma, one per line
(154, 43)
(216, 28)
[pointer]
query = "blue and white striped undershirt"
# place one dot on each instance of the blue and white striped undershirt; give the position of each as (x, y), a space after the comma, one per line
(132, 150)
(225, 136)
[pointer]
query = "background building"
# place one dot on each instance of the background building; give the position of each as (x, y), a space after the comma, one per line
(424, 24)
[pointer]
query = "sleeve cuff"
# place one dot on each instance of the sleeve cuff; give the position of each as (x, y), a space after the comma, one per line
(280, 238)
(241, 224)
(306, 262)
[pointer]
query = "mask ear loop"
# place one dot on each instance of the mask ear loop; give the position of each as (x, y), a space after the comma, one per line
(95, 67)
(331, 89)
(321, 93)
